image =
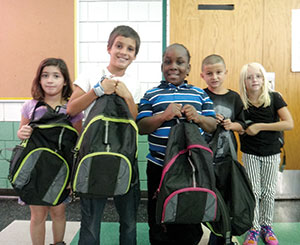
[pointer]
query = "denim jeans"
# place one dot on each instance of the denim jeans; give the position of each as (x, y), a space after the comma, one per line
(92, 211)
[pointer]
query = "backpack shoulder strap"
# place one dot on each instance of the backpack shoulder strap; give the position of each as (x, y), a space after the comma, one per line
(38, 104)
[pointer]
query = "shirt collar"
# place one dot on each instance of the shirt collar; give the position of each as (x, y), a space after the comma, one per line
(165, 84)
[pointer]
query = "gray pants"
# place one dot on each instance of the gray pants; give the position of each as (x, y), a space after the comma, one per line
(263, 172)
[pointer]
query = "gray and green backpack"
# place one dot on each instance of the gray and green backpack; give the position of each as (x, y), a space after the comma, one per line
(40, 167)
(105, 162)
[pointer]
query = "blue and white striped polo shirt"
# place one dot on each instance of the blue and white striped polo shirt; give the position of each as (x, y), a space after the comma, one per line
(156, 101)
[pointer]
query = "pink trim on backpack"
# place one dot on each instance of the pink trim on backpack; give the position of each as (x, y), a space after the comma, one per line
(169, 164)
(186, 190)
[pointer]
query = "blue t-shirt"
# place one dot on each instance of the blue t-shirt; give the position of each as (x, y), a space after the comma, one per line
(156, 101)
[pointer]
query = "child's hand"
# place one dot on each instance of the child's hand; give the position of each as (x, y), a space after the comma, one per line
(190, 112)
(219, 118)
(109, 85)
(227, 124)
(24, 132)
(173, 110)
(122, 90)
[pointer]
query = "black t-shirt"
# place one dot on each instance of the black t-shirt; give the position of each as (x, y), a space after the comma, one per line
(265, 143)
(230, 106)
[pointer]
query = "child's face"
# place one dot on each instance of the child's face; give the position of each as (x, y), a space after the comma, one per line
(122, 53)
(52, 80)
(254, 80)
(175, 66)
(214, 75)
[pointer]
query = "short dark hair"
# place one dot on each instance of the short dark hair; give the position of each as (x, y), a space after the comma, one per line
(178, 45)
(124, 31)
(37, 91)
(212, 59)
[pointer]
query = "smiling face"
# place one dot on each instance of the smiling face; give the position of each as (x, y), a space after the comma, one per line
(175, 66)
(52, 81)
(214, 75)
(254, 80)
(122, 53)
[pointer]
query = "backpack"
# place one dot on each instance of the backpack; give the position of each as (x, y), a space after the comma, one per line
(187, 193)
(40, 166)
(105, 163)
(234, 185)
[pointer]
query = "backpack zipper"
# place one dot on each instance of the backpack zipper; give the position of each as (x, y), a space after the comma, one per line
(60, 138)
(106, 136)
(193, 169)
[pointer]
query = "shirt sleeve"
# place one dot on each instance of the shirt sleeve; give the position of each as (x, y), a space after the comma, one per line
(145, 108)
(207, 106)
(76, 118)
(83, 81)
(27, 108)
(278, 101)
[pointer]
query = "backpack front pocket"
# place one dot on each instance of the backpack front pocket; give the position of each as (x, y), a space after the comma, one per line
(187, 204)
(43, 174)
(103, 174)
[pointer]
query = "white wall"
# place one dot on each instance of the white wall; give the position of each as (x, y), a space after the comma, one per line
(10, 110)
(97, 18)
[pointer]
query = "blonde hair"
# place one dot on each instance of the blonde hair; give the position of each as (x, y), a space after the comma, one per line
(264, 98)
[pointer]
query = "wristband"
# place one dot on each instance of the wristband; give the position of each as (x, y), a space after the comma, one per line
(98, 89)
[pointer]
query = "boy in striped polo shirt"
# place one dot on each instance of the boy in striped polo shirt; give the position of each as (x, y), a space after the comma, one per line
(158, 110)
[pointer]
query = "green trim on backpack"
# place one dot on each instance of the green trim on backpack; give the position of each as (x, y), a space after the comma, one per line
(103, 153)
(56, 154)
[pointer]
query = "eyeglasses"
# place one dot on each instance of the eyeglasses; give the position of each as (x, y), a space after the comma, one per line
(256, 76)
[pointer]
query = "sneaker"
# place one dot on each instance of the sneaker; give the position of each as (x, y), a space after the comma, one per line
(252, 237)
(21, 202)
(268, 235)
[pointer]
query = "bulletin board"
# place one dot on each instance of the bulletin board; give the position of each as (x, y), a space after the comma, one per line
(31, 31)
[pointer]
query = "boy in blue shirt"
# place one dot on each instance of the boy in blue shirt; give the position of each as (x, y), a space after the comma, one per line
(158, 110)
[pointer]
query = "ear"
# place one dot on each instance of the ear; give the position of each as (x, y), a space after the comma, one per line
(202, 75)
(108, 49)
(161, 67)
(188, 69)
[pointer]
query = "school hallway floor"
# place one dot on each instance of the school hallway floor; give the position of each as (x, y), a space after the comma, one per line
(14, 224)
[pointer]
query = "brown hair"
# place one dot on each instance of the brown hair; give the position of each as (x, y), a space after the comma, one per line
(124, 31)
(211, 60)
(37, 91)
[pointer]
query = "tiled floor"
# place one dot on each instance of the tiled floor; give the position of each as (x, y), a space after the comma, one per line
(14, 218)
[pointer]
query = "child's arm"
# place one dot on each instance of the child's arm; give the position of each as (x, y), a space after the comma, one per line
(123, 92)
(80, 100)
(149, 124)
(286, 123)
(207, 123)
(25, 130)
(234, 126)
